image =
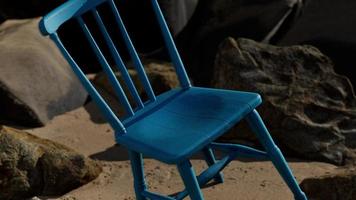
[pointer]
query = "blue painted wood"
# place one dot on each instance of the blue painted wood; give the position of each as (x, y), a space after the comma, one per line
(72, 8)
(210, 173)
(243, 151)
(210, 160)
(149, 108)
(275, 154)
(133, 53)
(89, 5)
(107, 69)
(173, 52)
(138, 174)
(118, 61)
(181, 195)
(175, 125)
(200, 114)
(190, 180)
(52, 21)
(214, 169)
(105, 109)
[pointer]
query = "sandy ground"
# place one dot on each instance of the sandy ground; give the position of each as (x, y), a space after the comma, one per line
(86, 133)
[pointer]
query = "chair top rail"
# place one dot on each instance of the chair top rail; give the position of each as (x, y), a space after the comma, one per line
(72, 8)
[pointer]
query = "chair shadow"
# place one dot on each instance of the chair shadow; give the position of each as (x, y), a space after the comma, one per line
(114, 153)
(94, 113)
(120, 153)
(210, 184)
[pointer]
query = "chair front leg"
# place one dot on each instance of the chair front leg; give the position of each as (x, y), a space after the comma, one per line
(190, 180)
(275, 154)
(138, 174)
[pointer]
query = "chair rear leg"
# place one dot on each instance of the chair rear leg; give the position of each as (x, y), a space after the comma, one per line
(190, 180)
(210, 160)
(275, 154)
(138, 174)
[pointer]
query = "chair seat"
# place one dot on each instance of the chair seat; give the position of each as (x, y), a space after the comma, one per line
(188, 122)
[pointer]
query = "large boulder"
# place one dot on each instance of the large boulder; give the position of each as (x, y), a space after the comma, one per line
(36, 82)
(309, 109)
(330, 26)
(214, 20)
(32, 166)
(335, 186)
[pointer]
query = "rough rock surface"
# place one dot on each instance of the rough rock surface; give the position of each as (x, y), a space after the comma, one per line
(36, 82)
(330, 26)
(335, 186)
(162, 77)
(214, 20)
(309, 109)
(32, 166)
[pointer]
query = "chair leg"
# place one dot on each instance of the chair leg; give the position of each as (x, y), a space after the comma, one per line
(275, 154)
(190, 180)
(210, 160)
(138, 174)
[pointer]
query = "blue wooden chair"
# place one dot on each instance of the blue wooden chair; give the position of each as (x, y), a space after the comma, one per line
(175, 125)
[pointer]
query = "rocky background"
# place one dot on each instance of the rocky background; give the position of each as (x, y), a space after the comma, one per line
(298, 56)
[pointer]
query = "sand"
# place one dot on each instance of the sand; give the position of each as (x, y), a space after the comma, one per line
(85, 131)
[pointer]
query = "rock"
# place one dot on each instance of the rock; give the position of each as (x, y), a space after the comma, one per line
(214, 20)
(162, 77)
(336, 186)
(36, 82)
(31, 166)
(330, 26)
(309, 109)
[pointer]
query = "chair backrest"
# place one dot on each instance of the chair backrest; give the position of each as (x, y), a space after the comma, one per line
(75, 9)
